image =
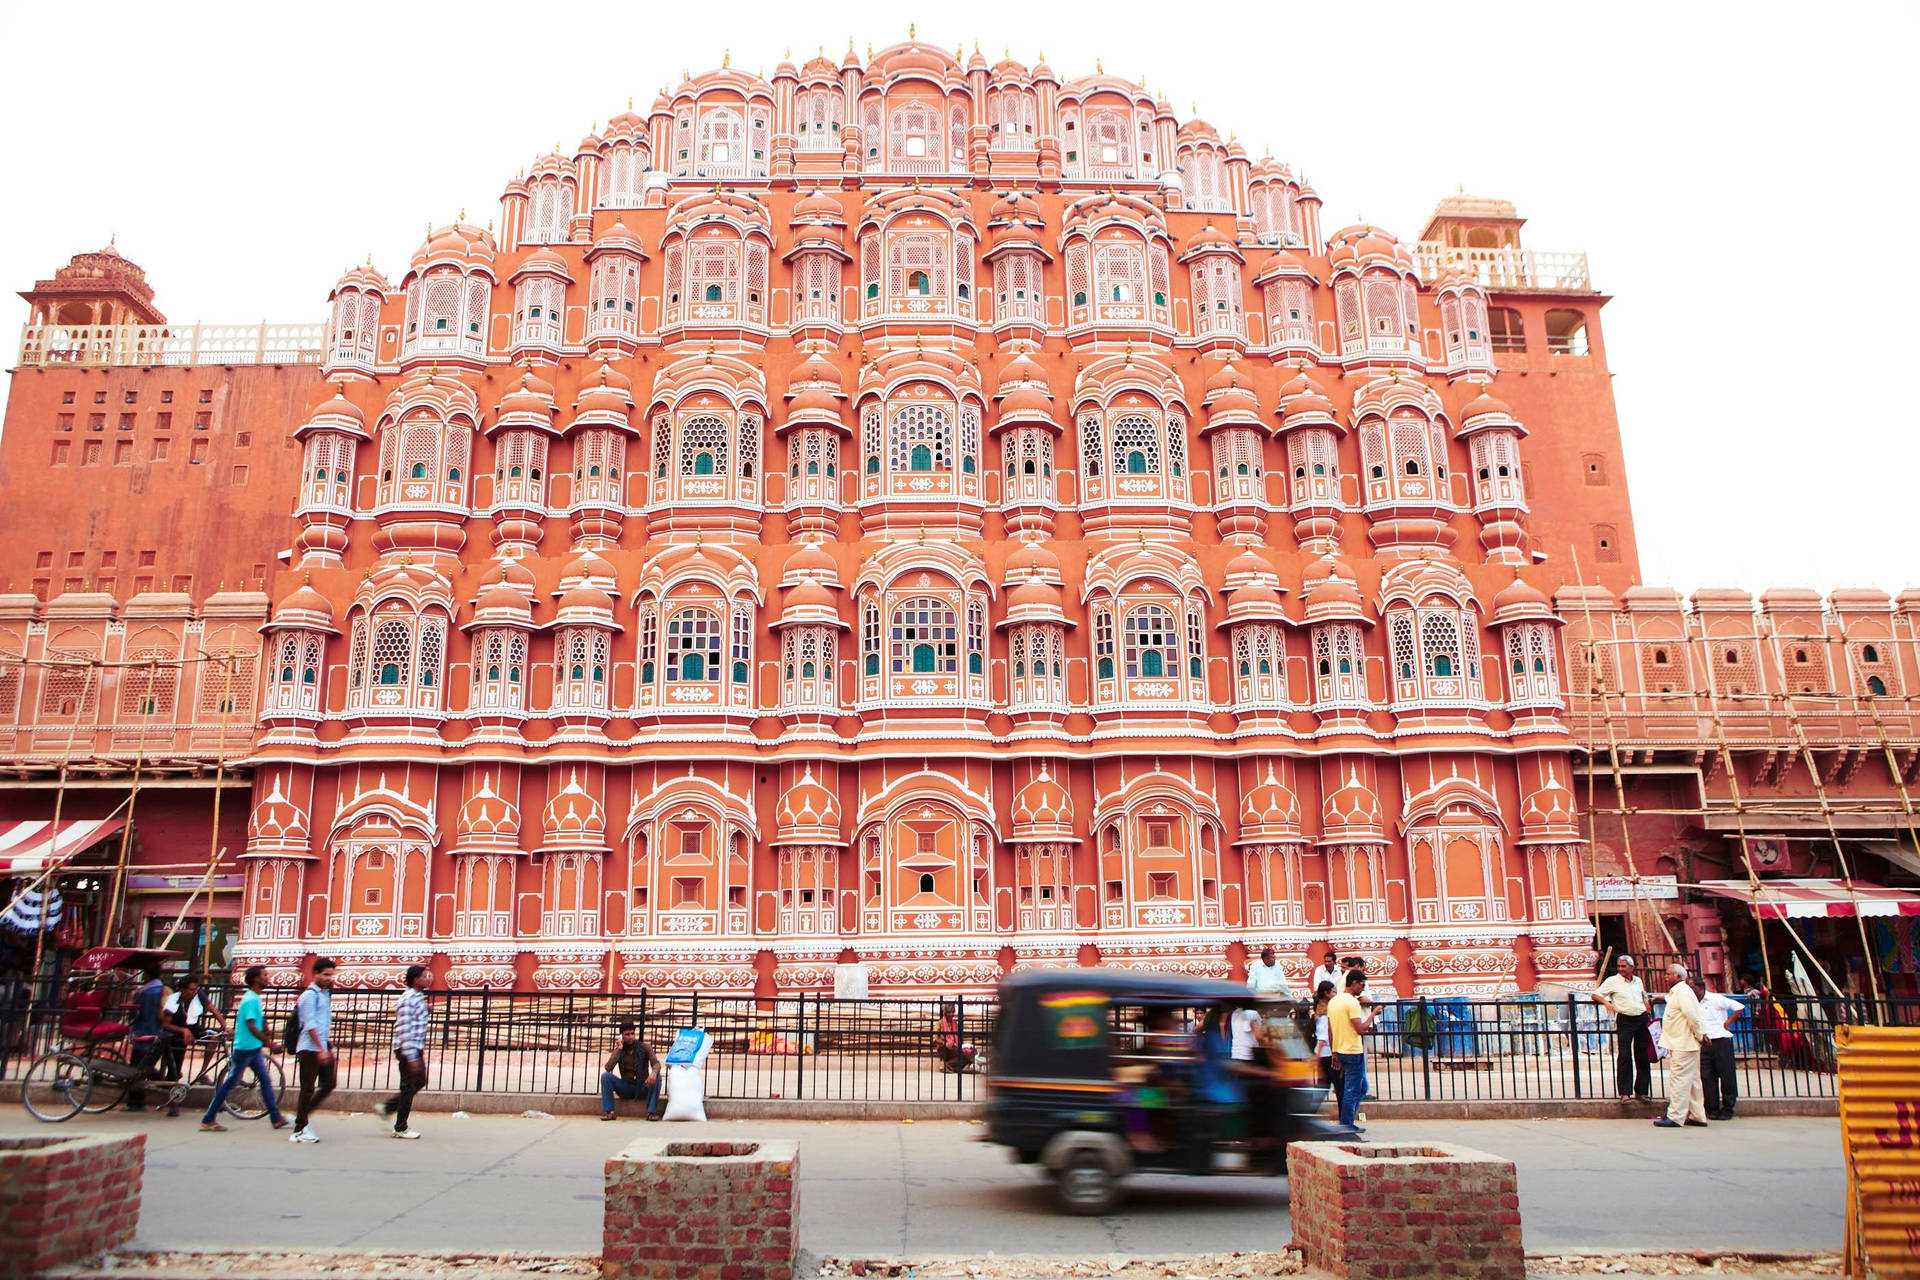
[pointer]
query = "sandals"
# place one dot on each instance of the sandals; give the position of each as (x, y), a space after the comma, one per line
(215, 1127)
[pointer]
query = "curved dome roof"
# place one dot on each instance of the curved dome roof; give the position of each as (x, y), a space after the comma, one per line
(1042, 810)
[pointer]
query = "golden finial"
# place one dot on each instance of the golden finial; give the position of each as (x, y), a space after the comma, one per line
(869, 51)
(1006, 53)
(910, 31)
(307, 579)
(629, 102)
(787, 53)
(489, 226)
(1043, 55)
(820, 50)
(369, 257)
(726, 59)
(1099, 68)
(1193, 107)
(463, 208)
(1463, 188)
(923, 531)
(709, 350)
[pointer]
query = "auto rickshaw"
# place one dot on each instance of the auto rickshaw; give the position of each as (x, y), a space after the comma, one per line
(1100, 1073)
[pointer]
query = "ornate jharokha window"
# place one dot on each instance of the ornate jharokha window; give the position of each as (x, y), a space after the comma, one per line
(817, 118)
(1533, 671)
(924, 646)
(706, 453)
(396, 660)
(613, 299)
(1313, 467)
(1037, 652)
(520, 469)
(329, 471)
(1339, 677)
(806, 668)
(1148, 653)
(580, 669)
(1121, 279)
(931, 446)
(1134, 453)
(446, 314)
(1435, 652)
(296, 674)
(696, 657)
(499, 670)
(1405, 460)
(423, 462)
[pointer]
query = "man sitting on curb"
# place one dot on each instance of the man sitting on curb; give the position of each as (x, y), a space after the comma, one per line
(631, 1070)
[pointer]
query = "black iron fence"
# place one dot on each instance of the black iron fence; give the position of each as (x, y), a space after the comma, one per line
(814, 1048)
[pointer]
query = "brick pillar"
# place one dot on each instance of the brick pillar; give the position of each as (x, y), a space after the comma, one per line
(704, 1210)
(64, 1200)
(1369, 1211)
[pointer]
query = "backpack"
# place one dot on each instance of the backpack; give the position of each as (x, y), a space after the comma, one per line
(290, 1029)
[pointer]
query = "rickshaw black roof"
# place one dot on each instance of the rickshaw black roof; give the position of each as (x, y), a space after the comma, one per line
(1125, 984)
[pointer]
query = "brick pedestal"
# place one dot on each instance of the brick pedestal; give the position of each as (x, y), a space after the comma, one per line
(63, 1200)
(702, 1211)
(1370, 1211)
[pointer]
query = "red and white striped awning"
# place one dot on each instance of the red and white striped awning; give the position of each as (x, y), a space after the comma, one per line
(28, 848)
(1793, 899)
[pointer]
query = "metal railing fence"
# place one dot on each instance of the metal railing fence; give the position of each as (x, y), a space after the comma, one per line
(815, 1048)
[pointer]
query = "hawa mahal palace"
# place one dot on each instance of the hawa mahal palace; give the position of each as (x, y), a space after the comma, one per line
(943, 514)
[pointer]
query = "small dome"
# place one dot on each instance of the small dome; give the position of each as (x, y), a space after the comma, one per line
(1351, 814)
(588, 566)
(1281, 263)
(487, 821)
(810, 560)
(574, 819)
(336, 413)
(1486, 410)
(1328, 589)
(1303, 403)
(1549, 814)
(501, 597)
(278, 824)
(1042, 810)
(808, 813)
(1248, 564)
(1031, 559)
(1208, 239)
(809, 602)
(1034, 594)
(817, 207)
(540, 262)
(617, 239)
(1270, 812)
(1520, 600)
(304, 607)
(1229, 397)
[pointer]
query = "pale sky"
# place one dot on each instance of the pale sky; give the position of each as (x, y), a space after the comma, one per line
(1706, 157)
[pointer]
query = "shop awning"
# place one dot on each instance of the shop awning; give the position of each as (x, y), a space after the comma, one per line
(1795, 899)
(28, 848)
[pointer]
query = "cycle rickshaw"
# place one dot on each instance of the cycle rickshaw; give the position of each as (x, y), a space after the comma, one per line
(98, 1061)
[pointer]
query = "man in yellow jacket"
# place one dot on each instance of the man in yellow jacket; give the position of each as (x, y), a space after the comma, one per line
(1680, 1029)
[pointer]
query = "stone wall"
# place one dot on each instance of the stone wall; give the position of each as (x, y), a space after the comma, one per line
(66, 1199)
(702, 1211)
(1371, 1211)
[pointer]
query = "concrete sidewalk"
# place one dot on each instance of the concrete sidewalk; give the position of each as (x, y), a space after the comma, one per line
(926, 1190)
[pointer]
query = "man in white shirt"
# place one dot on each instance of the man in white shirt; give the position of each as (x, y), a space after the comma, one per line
(1716, 1054)
(1244, 1022)
(1680, 1027)
(1266, 980)
(1625, 997)
(1329, 971)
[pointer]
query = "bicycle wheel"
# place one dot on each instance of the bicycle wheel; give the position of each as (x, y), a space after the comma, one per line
(55, 1087)
(107, 1091)
(245, 1102)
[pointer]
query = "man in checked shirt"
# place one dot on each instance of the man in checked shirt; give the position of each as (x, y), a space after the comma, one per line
(410, 1048)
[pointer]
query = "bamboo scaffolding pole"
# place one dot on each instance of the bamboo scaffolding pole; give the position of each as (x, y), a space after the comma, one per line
(1826, 810)
(1739, 820)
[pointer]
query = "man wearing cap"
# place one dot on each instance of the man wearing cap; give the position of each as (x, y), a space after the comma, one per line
(1680, 1028)
(1625, 997)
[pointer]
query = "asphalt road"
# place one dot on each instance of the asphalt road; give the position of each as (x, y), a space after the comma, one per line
(925, 1190)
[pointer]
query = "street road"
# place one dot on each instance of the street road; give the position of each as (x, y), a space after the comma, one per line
(925, 1190)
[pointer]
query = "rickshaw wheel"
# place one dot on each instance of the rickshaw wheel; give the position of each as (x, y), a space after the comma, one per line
(1086, 1187)
(104, 1093)
(56, 1087)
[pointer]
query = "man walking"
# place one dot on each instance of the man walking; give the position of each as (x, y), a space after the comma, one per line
(314, 1049)
(409, 1049)
(1680, 1037)
(1716, 1054)
(1266, 980)
(1346, 1022)
(1625, 997)
(249, 1038)
(631, 1070)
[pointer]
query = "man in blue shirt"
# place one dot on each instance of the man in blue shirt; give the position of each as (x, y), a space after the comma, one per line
(145, 1032)
(249, 1040)
(314, 1050)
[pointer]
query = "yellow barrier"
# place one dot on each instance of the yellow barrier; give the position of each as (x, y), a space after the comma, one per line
(1880, 1125)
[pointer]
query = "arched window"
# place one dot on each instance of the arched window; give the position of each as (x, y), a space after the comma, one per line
(1152, 642)
(925, 637)
(1136, 446)
(693, 645)
(919, 282)
(1876, 686)
(922, 438)
(1869, 653)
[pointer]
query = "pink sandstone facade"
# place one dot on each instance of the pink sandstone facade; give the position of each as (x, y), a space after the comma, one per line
(907, 509)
